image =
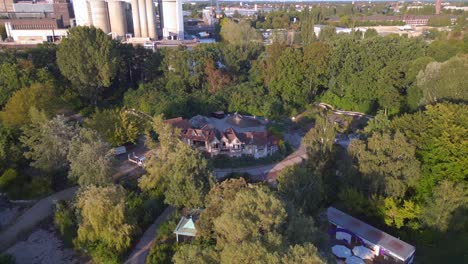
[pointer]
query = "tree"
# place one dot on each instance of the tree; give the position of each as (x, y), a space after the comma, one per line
(103, 220)
(287, 80)
(215, 78)
(327, 33)
(319, 142)
(10, 81)
(307, 27)
(39, 96)
(371, 33)
(115, 125)
(399, 214)
(47, 141)
(178, 170)
(440, 135)
(446, 199)
(302, 187)
(443, 81)
(89, 59)
(90, 159)
(316, 62)
(215, 201)
(303, 254)
(195, 254)
(255, 214)
(387, 163)
(238, 33)
(11, 152)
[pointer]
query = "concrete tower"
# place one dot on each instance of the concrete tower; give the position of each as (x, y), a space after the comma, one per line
(100, 15)
(80, 7)
(173, 24)
(151, 16)
(143, 20)
(136, 19)
(118, 21)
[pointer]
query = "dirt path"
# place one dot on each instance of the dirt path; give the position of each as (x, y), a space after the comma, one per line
(33, 216)
(141, 250)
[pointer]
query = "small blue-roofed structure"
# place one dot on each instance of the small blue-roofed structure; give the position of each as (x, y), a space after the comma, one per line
(186, 226)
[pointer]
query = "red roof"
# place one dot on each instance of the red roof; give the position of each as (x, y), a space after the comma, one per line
(179, 122)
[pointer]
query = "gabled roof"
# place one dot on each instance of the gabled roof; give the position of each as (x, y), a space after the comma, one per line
(397, 247)
(207, 133)
(231, 134)
(179, 122)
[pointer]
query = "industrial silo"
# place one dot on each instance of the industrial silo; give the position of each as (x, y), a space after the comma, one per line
(173, 24)
(151, 17)
(136, 19)
(118, 21)
(143, 20)
(100, 15)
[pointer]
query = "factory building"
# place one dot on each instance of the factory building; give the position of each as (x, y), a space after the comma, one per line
(36, 21)
(136, 17)
(172, 19)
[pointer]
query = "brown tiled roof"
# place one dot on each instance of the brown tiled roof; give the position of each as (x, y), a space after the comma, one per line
(255, 138)
(179, 122)
(231, 134)
(204, 134)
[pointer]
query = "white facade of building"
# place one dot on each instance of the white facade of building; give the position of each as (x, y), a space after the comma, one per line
(34, 36)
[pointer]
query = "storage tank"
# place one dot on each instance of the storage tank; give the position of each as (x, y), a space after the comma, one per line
(173, 24)
(100, 15)
(143, 20)
(118, 21)
(151, 16)
(136, 19)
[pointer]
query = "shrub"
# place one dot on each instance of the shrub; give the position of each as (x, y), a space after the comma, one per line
(7, 259)
(165, 245)
(64, 220)
(7, 178)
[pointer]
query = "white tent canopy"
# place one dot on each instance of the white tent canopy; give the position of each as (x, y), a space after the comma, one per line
(341, 251)
(343, 236)
(354, 260)
(363, 252)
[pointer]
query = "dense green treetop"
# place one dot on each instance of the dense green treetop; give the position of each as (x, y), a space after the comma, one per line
(48, 141)
(103, 218)
(90, 159)
(89, 59)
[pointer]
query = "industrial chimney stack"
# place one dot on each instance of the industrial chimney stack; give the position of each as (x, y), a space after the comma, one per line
(438, 6)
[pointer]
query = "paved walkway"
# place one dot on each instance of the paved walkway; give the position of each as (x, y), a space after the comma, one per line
(265, 170)
(33, 216)
(141, 250)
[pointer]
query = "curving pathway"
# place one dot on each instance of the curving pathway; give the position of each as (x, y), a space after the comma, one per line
(266, 172)
(141, 250)
(33, 216)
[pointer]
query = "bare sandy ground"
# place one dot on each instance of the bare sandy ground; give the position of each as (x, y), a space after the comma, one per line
(42, 247)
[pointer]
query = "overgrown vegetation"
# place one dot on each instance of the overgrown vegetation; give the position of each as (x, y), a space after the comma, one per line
(406, 174)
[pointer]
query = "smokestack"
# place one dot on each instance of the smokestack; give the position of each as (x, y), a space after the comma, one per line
(136, 19)
(438, 6)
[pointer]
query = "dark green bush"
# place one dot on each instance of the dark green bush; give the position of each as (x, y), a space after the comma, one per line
(64, 220)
